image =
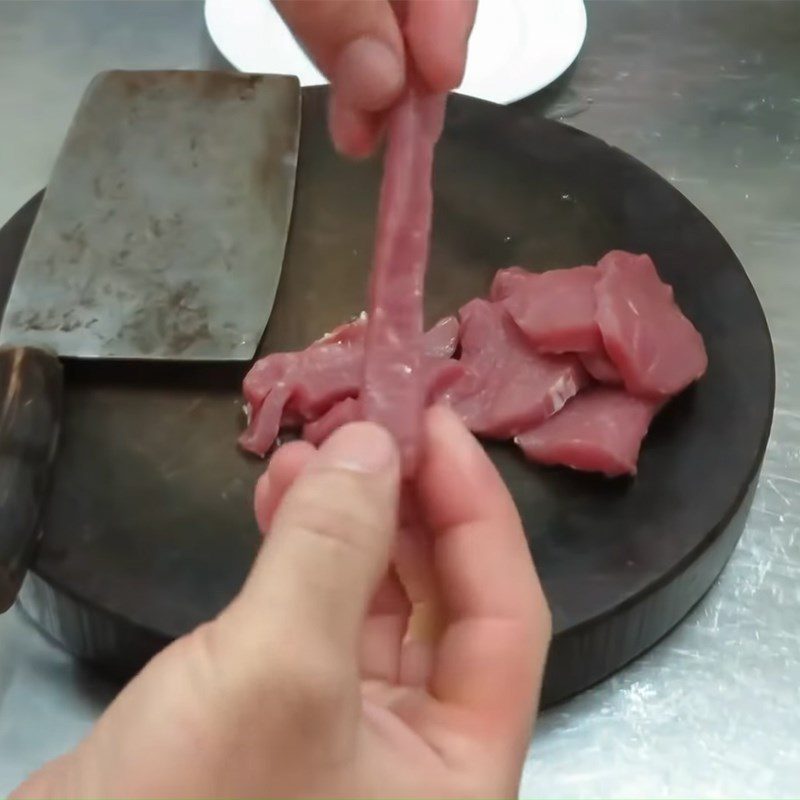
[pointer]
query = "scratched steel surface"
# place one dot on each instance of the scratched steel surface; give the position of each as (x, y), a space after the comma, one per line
(707, 93)
(150, 158)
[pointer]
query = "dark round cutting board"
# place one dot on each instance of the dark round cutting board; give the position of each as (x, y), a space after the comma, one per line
(149, 530)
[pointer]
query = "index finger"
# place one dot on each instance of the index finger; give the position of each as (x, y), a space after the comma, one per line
(491, 655)
(357, 44)
(437, 32)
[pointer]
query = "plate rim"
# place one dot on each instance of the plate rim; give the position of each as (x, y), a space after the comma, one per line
(214, 9)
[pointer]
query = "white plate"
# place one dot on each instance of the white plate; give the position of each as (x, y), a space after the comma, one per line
(517, 47)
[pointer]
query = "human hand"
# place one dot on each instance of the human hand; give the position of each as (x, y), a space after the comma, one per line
(307, 684)
(365, 48)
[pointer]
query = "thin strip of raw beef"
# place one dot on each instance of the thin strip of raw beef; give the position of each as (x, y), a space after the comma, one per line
(332, 364)
(345, 411)
(556, 309)
(600, 430)
(314, 377)
(508, 387)
(286, 389)
(334, 346)
(392, 391)
(264, 423)
(654, 346)
(440, 374)
(441, 340)
(601, 367)
(506, 281)
(354, 331)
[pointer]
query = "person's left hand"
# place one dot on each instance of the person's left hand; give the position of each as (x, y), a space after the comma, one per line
(368, 49)
(307, 684)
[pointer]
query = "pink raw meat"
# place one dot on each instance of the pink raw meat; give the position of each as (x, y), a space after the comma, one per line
(556, 309)
(600, 430)
(506, 281)
(601, 367)
(286, 389)
(440, 373)
(351, 332)
(318, 430)
(392, 390)
(300, 385)
(502, 386)
(442, 339)
(654, 346)
(508, 387)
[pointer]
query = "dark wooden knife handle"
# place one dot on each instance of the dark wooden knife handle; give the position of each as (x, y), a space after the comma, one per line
(31, 386)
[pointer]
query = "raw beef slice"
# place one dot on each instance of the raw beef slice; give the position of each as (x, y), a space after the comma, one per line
(600, 430)
(555, 309)
(601, 367)
(392, 391)
(441, 340)
(507, 387)
(440, 372)
(287, 389)
(654, 346)
(506, 281)
(318, 430)
(353, 332)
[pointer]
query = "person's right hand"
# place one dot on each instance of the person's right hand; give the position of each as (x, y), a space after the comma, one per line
(450, 662)
(308, 684)
(366, 48)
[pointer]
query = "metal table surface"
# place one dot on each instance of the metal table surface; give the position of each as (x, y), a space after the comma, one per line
(708, 94)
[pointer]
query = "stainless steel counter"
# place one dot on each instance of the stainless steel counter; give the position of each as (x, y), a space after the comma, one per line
(708, 94)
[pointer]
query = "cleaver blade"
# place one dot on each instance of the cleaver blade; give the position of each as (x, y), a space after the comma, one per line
(161, 235)
(162, 230)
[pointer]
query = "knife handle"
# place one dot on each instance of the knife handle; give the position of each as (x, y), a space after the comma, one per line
(31, 387)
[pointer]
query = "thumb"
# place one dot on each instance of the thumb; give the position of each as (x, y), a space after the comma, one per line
(330, 541)
(357, 44)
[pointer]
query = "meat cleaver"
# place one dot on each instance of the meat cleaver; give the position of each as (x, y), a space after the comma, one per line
(160, 236)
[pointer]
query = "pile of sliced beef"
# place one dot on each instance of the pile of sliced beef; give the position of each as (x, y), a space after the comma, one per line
(572, 364)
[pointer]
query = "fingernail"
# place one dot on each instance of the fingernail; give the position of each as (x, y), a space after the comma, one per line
(353, 132)
(360, 446)
(368, 74)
